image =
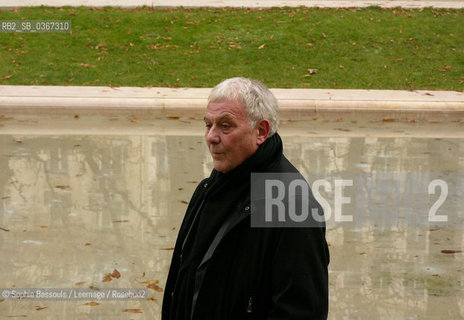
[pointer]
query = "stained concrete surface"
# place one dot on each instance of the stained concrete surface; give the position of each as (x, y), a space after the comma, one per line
(82, 196)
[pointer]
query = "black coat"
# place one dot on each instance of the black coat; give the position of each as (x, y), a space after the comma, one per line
(255, 273)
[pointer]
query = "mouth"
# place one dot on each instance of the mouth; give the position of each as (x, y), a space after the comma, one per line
(215, 154)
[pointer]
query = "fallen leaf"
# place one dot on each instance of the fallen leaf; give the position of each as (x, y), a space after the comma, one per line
(87, 65)
(399, 59)
(92, 304)
(6, 77)
(76, 116)
(40, 308)
(433, 229)
(107, 278)
(43, 227)
(116, 274)
(1, 300)
(261, 46)
(388, 120)
(173, 118)
(151, 299)
(63, 187)
(80, 283)
(7, 230)
(312, 71)
(341, 67)
(87, 244)
(167, 249)
(149, 281)
(132, 310)
(155, 287)
(451, 251)
(183, 201)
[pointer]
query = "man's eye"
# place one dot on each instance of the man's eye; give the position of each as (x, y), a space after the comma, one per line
(225, 126)
(208, 125)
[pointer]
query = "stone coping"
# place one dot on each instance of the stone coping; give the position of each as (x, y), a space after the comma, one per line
(192, 101)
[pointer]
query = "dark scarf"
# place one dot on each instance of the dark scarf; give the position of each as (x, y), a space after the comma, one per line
(223, 195)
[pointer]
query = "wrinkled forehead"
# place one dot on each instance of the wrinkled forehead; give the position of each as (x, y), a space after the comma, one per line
(225, 110)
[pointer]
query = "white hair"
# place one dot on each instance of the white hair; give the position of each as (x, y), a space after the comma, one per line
(256, 98)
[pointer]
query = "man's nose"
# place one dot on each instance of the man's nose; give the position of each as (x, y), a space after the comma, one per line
(212, 136)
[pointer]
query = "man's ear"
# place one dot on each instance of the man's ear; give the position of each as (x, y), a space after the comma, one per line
(263, 127)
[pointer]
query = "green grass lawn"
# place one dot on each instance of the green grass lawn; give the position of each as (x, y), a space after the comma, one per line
(283, 47)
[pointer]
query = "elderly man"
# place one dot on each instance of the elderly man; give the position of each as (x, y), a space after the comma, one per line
(222, 267)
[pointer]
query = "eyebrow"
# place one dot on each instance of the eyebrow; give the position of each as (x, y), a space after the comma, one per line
(221, 118)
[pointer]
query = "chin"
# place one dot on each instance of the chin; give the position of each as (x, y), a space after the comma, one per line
(221, 167)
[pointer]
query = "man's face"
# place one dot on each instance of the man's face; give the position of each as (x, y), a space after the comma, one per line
(229, 137)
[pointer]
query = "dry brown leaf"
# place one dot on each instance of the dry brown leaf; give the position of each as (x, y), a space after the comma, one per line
(167, 249)
(116, 274)
(80, 283)
(63, 187)
(155, 287)
(149, 281)
(132, 310)
(107, 278)
(451, 251)
(7, 230)
(151, 299)
(43, 227)
(261, 46)
(87, 244)
(92, 304)
(87, 65)
(1, 300)
(40, 308)
(6, 77)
